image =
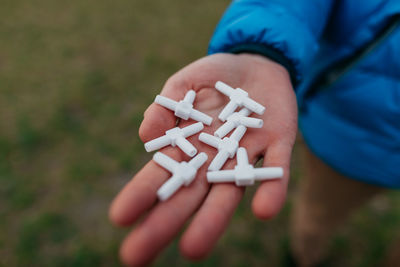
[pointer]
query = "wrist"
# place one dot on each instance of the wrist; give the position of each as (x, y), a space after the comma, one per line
(265, 64)
(269, 53)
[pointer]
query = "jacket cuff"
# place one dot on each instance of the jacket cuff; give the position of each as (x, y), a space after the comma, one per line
(273, 26)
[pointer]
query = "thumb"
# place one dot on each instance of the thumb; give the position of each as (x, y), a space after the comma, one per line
(158, 119)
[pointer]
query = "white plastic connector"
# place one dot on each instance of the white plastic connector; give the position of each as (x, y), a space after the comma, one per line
(176, 137)
(236, 119)
(238, 98)
(227, 147)
(244, 174)
(184, 108)
(183, 173)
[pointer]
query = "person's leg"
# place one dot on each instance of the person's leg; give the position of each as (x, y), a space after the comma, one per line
(392, 258)
(325, 199)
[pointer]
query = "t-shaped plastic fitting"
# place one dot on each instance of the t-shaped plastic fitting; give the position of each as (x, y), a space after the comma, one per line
(244, 174)
(238, 98)
(183, 173)
(176, 137)
(236, 119)
(227, 147)
(184, 108)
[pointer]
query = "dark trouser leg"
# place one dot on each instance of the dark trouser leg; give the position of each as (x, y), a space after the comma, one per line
(325, 200)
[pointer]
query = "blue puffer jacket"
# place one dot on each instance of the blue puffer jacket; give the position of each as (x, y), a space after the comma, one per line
(344, 59)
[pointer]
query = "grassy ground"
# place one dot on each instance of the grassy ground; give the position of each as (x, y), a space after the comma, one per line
(75, 78)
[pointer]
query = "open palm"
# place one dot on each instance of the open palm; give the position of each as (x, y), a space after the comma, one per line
(211, 205)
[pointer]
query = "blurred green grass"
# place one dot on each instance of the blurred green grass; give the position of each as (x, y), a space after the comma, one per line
(75, 78)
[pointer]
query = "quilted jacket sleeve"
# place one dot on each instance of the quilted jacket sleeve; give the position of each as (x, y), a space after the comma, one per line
(286, 31)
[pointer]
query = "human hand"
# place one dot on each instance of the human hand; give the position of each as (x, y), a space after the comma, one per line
(211, 205)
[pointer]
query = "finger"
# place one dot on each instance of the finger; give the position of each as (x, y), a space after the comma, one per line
(211, 221)
(214, 216)
(140, 193)
(270, 195)
(158, 119)
(163, 223)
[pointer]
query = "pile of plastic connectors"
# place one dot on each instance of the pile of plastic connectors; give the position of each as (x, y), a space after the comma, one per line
(183, 173)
